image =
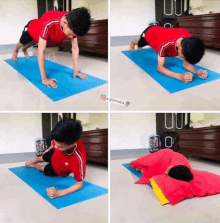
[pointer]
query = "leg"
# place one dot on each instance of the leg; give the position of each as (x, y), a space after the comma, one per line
(31, 162)
(38, 167)
(15, 53)
(24, 49)
(133, 44)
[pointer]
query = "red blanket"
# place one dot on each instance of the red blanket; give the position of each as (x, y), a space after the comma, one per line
(203, 183)
(157, 163)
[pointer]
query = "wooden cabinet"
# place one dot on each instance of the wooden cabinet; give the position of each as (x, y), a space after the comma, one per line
(96, 145)
(206, 27)
(199, 142)
(167, 126)
(95, 41)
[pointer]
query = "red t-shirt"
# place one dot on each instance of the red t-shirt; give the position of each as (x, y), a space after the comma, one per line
(163, 40)
(64, 164)
(48, 28)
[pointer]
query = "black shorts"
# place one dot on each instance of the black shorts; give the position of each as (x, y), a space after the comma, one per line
(25, 36)
(142, 42)
(48, 170)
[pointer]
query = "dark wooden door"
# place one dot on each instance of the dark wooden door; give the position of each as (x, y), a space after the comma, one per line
(44, 6)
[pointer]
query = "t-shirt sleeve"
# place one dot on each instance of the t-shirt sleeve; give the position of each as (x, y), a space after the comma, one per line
(163, 50)
(47, 20)
(80, 171)
(79, 174)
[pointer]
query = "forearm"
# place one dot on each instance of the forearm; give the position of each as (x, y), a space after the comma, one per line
(169, 73)
(191, 68)
(71, 189)
(75, 56)
(41, 62)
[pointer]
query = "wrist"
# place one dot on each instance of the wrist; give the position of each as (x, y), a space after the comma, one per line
(60, 193)
(179, 77)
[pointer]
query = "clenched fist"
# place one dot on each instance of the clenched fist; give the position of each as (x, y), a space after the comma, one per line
(52, 192)
(202, 74)
(187, 77)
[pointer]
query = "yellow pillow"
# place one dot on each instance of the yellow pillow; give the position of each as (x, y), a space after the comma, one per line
(158, 192)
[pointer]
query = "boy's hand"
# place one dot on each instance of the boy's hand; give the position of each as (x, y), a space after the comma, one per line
(82, 76)
(187, 77)
(49, 82)
(132, 45)
(52, 192)
(202, 74)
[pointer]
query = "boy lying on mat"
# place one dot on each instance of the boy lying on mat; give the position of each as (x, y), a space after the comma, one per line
(66, 155)
(172, 177)
(172, 42)
(51, 29)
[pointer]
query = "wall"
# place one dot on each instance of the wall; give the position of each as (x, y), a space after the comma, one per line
(205, 119)
(93, 120)
(129, 17)
(14, 15)
(19, 132)
(132, 131)
(77, 3)
(98, 8)
(198, 3)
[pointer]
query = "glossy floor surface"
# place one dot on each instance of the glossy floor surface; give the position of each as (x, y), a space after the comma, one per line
(137, 203)
(18, 94)
(130, 83)
(21, 204)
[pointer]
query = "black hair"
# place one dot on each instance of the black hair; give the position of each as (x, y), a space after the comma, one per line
(180, 172)
(67, 131)
(193, 49)
(79, 21)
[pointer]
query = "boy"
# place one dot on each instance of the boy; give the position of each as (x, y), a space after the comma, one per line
(66, 155)
(172, 42)
(51, 29)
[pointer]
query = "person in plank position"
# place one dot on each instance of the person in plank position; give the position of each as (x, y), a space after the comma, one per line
(172, 42)
(66, 155)
(51, 29)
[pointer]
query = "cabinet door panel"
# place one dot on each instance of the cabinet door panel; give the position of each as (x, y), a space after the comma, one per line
(168, 9)
(179, 7)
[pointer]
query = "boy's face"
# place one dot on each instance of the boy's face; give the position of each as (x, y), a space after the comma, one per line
(179, 48)
(168, 169)
(67, 30)
(63, 147)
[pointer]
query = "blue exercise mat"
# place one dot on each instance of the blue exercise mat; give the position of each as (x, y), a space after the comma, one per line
(146, 59)
(39, 182)
(132, 170)
(67, 85)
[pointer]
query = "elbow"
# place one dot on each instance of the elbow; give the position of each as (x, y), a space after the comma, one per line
(80, 185)
(159, 69)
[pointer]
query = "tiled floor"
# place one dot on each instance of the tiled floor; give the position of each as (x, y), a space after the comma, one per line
(18, 94)
(130, 83)
(21, 204)
(137, 203)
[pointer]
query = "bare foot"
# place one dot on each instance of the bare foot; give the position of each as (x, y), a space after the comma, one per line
(25, 53)
(14, 55)
(33, 165)
(131, 46)
(30, 163)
